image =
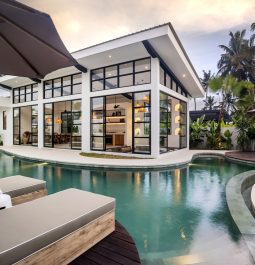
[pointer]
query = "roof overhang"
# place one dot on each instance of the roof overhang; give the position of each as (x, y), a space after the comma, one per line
(162, 38)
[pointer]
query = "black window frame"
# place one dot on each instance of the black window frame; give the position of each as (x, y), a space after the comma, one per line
(133, 73)
(32, 93)
(52, 124)
(4, 120)
(133, 122)
(179, 88)
(61, 86)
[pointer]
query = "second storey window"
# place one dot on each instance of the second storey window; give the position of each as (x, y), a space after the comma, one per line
(25, 94)
(131, 73)
(63, 86)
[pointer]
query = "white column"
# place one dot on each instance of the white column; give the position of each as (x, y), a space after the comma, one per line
(155, 107)
(86, 112)
(40, 115)
(187, 122)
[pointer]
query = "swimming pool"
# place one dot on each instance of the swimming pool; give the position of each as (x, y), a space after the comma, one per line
(176, 216)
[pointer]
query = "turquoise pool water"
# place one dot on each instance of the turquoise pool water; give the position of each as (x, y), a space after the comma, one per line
(176, 216)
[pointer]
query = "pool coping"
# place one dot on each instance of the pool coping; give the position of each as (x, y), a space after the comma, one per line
(238, 209)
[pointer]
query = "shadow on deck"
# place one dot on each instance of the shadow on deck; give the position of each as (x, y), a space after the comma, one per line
(118, 248)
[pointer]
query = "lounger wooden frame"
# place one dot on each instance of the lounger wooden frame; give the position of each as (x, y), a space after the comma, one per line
(73, 245)
(29, 196)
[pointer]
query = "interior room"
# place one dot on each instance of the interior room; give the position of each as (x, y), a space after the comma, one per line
(118, 136)
(63, 124)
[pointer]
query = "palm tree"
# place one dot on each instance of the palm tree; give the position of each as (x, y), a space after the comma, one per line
(207, 76)
(209, 103)
(235, 59)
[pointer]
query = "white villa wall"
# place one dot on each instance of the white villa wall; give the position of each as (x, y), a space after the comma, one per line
(5, 105)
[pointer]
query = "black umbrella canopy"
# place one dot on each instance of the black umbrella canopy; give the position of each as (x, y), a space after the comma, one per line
(29, 42)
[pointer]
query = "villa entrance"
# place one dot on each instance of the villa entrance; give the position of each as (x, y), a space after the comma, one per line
(62, 124)
(25, 125)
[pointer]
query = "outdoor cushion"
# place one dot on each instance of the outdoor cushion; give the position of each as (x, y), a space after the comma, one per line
(19, 185)
(28, 227)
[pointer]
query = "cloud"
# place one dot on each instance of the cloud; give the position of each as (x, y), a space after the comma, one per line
(81, 23)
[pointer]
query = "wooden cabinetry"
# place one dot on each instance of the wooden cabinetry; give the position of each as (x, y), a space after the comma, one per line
(119, 139)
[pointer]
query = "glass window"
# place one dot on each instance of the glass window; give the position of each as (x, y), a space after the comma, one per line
(57, 82)
(126, 80)
(111, 83)
(48, 84)
(76, 89)
(162, 76)
(77, 79)
(57, 92)
(97, 74)
(28, 97)
(97, 85)
(67, 90)
(126, 68)
(48, 94)
(67, 81)
(142, 78)
(168, 81)
(142, 65)
(110, 71)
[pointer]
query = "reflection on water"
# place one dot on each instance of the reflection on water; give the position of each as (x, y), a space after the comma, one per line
(176, 216)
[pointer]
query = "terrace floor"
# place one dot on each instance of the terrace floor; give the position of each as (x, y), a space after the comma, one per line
(241, 156)
(116, 249)
(73, 157)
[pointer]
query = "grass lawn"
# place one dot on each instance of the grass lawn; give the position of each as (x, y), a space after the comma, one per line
(109, 156)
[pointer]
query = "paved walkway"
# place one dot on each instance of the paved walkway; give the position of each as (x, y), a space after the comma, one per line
(73, 157)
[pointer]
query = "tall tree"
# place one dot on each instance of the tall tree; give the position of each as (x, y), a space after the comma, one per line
(207, 76)
(209, 103)
(235, 58)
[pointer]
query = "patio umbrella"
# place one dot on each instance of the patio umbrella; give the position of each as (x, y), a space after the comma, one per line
(29, 42)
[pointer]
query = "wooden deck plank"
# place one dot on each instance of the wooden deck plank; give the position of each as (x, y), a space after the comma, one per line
(116, 249)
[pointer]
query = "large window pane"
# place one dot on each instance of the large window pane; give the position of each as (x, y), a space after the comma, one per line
(57, 82)
(110, 71)
(126, 68)
(142, 78)
(77, 79)
(142, 65)
(77, 89)
(126, 80)
(97, 85)
(97, 74)
(97, 143)
(142, 145)
(111, 83)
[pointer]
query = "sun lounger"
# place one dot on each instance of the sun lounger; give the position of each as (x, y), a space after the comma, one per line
(23, 189)
(55, 229)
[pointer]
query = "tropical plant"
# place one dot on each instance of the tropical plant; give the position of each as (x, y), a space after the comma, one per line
(228, 139)
(209, 103)
(243, 123)
(213, 135)
(197, 132)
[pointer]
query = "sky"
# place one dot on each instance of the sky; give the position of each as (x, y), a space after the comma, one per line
(202, 25)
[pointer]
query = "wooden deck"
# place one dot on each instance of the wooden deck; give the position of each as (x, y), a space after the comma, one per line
(245, 156)
(118, 248)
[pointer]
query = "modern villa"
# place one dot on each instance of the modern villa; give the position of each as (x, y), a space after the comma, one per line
(132, 98)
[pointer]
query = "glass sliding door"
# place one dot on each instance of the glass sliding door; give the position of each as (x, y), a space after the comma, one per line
(98, 123)
(34, 125)
(165, 121)
(76, 133)
(142, 122)
(16, 126)
(183, 125)
(48, 125)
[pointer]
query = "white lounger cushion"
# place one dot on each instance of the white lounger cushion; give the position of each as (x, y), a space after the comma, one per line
(28, 227)
(19, 185)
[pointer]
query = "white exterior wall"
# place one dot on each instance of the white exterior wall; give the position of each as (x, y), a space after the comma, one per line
(154, 87)
(5, 105)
